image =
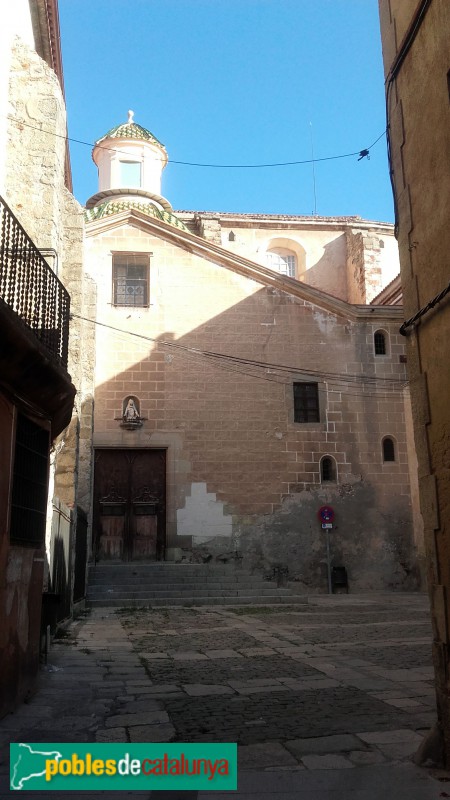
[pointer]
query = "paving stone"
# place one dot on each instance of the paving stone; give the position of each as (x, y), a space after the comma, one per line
(152, 733)
(127, 720)
(222, 654)
(324, 744)
(141, 705)
(134, 684)
(257, 651)
(363, 758)
(260, 689)
(252, 682)
(160, 656)
(398, 751)
(402, 674)
(202, 689)
(330, 761)
(390, 737)
(157, 688)
(111, 735)
(258, 756)
(404, 702)
(186, 656)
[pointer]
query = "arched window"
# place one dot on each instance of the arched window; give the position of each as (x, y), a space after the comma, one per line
(388, 449)
(283, 261)
(379, 343)
(231, 236)
(327, 469)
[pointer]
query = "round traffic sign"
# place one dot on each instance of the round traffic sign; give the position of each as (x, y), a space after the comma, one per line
(326, 514)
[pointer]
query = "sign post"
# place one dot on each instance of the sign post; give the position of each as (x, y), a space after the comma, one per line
(326, 516)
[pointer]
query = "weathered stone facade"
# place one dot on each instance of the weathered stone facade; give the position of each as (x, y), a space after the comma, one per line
(244, 479)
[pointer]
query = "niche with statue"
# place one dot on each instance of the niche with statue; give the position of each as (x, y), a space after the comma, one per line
(131, 413)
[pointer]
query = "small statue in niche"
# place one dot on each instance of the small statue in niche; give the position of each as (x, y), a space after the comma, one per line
(131, 413)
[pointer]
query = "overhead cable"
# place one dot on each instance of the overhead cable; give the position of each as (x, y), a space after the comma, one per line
(241, 366)
(363, 153)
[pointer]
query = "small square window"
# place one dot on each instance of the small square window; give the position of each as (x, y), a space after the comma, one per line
(130, 279)
(306, 402)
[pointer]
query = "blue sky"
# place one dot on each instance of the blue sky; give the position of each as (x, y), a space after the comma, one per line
(235, 82)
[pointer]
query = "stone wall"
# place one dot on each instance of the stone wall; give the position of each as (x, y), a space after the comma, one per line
(364, 268)
(36, 147)
(418, 103)
(36, 191)
(237, 462)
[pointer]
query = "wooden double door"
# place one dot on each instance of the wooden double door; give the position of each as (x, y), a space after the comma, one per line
(129, 504)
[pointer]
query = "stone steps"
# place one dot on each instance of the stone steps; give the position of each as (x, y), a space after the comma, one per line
(162, 584)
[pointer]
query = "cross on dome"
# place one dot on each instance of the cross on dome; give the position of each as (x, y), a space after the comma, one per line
(130, 117)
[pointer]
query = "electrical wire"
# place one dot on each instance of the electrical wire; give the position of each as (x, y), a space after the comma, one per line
(361, 153)
(235, 365)
(432, 303)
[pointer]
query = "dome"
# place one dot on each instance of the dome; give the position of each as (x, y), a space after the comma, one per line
(130, 161)
(131, 130)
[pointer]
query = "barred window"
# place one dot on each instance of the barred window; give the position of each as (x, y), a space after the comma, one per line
(30, 484)
(306, 402)
(130, 279)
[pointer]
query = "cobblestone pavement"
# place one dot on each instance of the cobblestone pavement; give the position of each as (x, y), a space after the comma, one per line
(340, 683)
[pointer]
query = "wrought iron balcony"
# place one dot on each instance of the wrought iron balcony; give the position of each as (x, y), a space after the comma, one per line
(31, 289)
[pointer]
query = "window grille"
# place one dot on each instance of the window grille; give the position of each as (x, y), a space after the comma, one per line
(306, 402)
(284, 263)
(379, 343)
(30, 484)
(388, 449)
(130, 279)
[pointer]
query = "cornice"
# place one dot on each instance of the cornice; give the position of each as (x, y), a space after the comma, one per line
(287, 221)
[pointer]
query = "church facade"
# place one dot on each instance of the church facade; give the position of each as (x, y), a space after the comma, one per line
(245, 377)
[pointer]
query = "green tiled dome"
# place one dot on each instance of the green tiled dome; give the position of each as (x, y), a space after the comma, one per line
(130, 130)
(115, 207)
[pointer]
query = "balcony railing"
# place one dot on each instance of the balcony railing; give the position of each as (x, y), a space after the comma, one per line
(31, 289)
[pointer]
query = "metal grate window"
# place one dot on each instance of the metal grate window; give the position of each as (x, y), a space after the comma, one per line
(379, 341)
(306, 402)
(130, 279)
(30, 484)
(284, 263)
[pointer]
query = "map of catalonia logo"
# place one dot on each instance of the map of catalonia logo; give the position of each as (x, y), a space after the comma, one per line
(28, 764)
